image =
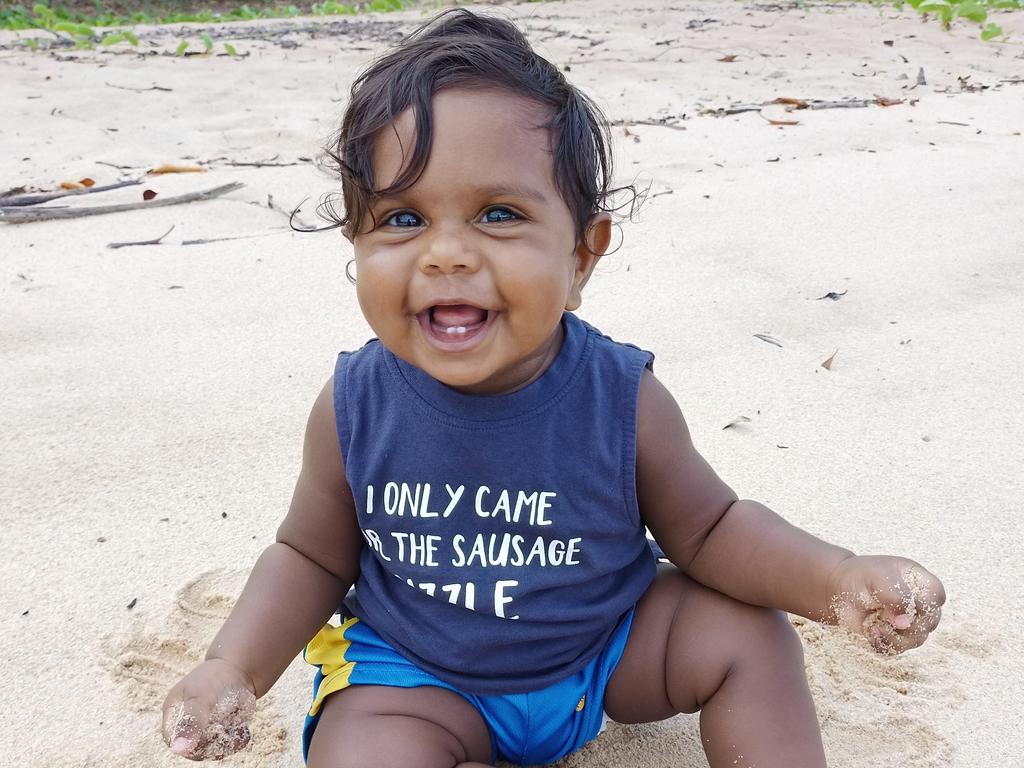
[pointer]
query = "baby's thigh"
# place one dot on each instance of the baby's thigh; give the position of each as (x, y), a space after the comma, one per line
(685, 640)
(388, 727)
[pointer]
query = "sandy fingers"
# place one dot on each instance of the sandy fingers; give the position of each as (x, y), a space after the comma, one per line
(145, 665)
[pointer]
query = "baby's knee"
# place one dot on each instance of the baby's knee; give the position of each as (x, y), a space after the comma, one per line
(770, 633)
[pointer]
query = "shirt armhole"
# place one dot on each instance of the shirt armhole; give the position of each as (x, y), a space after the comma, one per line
(341, 417)
(637, 365)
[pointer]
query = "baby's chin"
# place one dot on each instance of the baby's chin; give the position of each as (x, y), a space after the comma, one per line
(468, 379)
(470, 384)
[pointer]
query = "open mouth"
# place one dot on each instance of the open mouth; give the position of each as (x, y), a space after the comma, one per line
(455, 326)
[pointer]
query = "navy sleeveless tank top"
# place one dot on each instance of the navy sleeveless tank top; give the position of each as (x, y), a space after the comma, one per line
(504, 541)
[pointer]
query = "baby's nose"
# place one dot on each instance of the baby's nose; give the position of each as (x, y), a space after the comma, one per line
(447, 252)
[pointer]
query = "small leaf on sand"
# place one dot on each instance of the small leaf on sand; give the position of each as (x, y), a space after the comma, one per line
(884, 102)
(148, 194)
(798, 103)
(991, 31)
(172, 168)
(71, 185)
(827, 365)
(832, 295)
(87, 182)
(737, 421)
(728, 59)
(767, 338)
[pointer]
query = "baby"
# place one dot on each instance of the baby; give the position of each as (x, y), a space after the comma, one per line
(485, 472)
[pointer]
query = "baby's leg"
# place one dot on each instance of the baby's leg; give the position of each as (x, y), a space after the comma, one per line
(693, 648)
(372, 726)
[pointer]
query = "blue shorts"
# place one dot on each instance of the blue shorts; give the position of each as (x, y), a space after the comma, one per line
(533, 728)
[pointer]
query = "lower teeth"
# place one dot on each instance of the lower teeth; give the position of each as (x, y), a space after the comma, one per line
(455, 329)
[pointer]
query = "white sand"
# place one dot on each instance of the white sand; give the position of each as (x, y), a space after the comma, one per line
(150, 436)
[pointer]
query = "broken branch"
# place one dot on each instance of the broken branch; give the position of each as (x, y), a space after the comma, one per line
(42, 197)
(16, 216)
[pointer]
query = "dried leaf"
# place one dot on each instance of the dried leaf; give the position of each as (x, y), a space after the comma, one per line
(737, 421)
(730, 58)
(87, 182)
(767, 338)
(71, 185)
(827, 365)
(148, 194)
(884, 102)
(171, 168)
(832, 295)
(798, 103)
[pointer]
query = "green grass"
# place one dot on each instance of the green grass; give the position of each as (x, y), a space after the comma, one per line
(78, 18)
(76, 22)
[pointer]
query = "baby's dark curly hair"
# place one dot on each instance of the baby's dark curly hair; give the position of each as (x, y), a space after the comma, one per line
(458, 48)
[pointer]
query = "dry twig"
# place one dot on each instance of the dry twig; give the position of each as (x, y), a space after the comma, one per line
(14, 215)
(155, 241)
(42, 197)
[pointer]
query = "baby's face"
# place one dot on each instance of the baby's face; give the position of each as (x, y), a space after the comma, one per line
(468, 271)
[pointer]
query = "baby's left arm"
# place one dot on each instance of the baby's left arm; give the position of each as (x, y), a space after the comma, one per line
(745, 550)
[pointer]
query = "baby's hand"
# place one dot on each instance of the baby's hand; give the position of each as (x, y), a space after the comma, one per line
(206, 715)
(893, 602)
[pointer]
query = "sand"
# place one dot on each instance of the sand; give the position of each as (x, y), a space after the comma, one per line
(154, 397)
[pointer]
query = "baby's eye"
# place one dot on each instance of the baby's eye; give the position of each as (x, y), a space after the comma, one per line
(403, 219)
(498, 216)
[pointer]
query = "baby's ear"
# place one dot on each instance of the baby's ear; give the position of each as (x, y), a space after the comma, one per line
(588, 252)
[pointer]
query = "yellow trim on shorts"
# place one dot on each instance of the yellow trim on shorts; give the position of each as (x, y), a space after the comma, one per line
(327, 650)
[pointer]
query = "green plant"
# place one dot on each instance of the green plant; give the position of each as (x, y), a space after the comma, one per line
(208, 44)
(332, 8)
(46, 15)
(948, 11)
(124, 36)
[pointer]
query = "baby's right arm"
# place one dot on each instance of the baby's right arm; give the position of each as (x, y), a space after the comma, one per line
(294, 588)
